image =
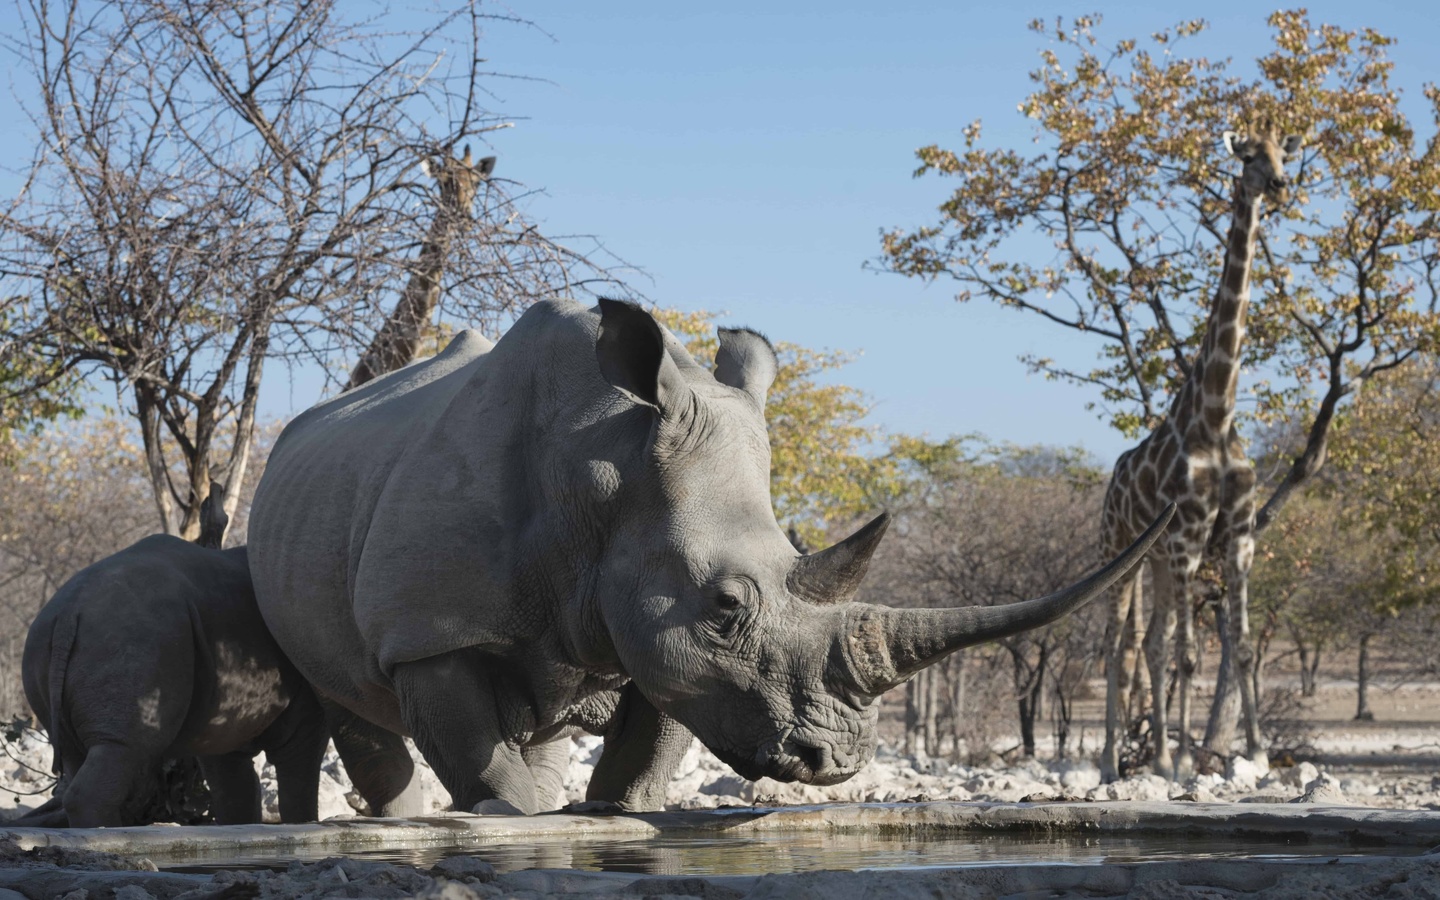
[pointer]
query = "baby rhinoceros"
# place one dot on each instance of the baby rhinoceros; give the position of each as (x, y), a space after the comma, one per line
(159, 652)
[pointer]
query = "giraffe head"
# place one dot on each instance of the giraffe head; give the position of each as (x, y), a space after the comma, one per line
(459, 179)
(1264, 156)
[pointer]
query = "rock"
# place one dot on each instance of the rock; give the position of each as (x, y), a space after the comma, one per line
(1355, 787)
(335, 798)
(1135, 787)
(1265, 798)
(1298, 776)
(1242, 773)
(1077, 776)
(1324, 788)
(1196, 794)
(133, 892)
(464, 868)
(727, 785)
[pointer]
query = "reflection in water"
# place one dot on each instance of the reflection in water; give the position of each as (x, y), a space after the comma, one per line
(803, 851)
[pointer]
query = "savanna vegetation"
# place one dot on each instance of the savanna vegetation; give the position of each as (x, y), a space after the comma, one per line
(207, 208)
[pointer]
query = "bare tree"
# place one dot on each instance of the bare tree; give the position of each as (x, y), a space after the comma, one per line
(219, 183)
(999, 528)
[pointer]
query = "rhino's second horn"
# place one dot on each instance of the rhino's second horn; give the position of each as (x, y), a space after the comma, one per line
(834, 575)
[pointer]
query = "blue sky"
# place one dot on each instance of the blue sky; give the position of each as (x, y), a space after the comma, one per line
(747, 154)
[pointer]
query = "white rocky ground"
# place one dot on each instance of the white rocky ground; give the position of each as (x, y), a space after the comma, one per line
(705, 782)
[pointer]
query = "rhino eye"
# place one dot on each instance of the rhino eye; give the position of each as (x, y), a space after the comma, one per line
(727, 600)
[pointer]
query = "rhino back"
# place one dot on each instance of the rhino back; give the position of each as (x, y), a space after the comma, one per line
(355, 490)
(136, 666)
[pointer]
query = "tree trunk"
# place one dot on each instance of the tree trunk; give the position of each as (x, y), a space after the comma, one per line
(912, 713)
(1030, 692)
(245, 426)
(147, 410)
(931, 723)
(1062, 712)
(1362, 682)
(1309, 669)
(957, 702)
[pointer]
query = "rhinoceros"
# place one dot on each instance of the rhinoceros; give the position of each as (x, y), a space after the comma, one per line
(159, 652)
(574, 529)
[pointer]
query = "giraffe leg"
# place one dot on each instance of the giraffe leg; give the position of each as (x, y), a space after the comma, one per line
(1237, 521)
(1134, 657)
(1185, 659)
(1237, 575)
(1123, 597)
(1158, 641)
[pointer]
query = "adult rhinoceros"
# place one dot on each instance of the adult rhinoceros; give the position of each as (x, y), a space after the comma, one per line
(574, 528)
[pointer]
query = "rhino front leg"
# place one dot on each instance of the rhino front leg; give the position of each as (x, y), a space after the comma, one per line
(378, 763)
(295, 743)
(643, 748)
(449, 704)
(548, 764)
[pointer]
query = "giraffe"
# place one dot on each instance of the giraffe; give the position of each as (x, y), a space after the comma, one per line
(1194, 458)
(398, 340)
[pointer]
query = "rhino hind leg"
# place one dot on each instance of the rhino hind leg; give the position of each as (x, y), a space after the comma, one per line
(378, 763)
(449, 703)
(234, 788)
(643, 748)
(109, 786)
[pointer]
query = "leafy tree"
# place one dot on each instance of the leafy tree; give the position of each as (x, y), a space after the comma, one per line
(25, 408)
(1130, 185)
(820, 469)
(220, 184)
(1387, 477)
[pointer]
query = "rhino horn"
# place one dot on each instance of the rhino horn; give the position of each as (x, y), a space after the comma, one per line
(883, 647)
(833, 575)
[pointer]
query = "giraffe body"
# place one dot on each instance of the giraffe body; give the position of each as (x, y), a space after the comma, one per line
(1195, 459)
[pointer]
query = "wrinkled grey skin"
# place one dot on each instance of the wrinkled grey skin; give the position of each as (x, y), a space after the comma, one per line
(575, 529)
(159, 652)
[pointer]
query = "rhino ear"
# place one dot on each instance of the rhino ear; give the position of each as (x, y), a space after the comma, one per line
(631, 352)
(746, 361)
(213, 520)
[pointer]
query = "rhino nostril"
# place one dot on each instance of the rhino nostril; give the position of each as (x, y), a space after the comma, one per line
(814, 758)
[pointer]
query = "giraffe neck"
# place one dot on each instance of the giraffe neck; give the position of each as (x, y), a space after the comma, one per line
(398, 342)
(1206, 407)
(422, 291)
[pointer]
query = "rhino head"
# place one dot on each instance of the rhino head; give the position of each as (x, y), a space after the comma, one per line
(761, 652)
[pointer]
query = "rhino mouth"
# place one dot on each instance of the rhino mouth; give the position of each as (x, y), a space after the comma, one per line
(791, 760)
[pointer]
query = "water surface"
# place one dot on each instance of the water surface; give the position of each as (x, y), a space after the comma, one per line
(782, 852)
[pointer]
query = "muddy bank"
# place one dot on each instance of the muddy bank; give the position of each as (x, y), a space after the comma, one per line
(703, 782)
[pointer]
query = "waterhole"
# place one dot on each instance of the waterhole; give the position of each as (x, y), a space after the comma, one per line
(696, 854)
